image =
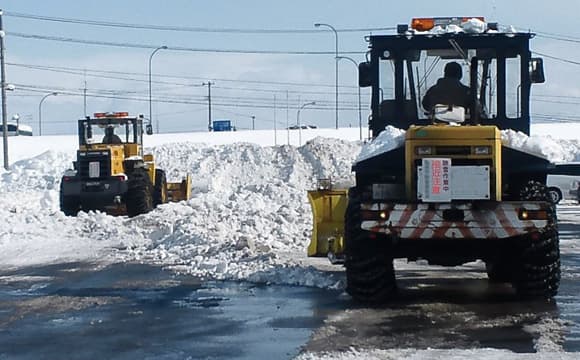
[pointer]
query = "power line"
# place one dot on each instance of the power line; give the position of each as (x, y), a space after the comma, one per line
(559, 38)
(172, 100)
(88, 72)
(556, 58)
(182, 28)
(175, 48)
(235, 99)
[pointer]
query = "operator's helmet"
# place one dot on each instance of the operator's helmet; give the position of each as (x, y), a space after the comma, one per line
(110, 130)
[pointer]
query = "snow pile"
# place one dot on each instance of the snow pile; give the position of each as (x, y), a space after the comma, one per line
(42, 172)
(248, 218)
(552, 149)
(389, 139)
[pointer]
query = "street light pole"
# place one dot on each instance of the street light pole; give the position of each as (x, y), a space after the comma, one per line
(40, 111)
(335, 63)
(358, 87)
(209, 84)
(150, 59)
(298, 120)
(3, 91)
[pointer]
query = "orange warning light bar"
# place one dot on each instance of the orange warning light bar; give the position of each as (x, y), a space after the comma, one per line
(426, 24)
(111, 115)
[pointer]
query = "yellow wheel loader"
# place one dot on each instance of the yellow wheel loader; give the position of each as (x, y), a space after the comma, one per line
(112, 174)
(451, 192)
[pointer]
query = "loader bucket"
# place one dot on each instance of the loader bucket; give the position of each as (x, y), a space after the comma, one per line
(179, 191)
(328, 208)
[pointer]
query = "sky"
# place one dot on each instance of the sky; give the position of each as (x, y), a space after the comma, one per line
(245, 83)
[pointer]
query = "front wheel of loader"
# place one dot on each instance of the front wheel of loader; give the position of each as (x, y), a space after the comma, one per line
(370, 275)
(139, 199)
(69, 205)
(160, 192)
(537, 273)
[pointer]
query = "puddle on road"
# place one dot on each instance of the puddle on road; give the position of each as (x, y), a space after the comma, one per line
(139, 311)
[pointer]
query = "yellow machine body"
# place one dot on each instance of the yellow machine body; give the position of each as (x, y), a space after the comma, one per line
(114, 175)
(471, 144)
(328, 209)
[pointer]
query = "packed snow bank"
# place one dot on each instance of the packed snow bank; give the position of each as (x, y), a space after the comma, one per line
(248, 218)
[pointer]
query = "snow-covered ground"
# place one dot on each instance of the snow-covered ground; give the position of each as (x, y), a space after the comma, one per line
(248, 219)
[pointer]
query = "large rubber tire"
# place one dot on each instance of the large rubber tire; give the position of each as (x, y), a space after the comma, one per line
(69, 205)
(160, 192)
(499, 271)
(370, 275)
(139, 198)
(555, 194)
(537, 271)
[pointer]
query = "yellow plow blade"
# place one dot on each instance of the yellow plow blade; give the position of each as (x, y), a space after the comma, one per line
(328, 208)
(179, 191)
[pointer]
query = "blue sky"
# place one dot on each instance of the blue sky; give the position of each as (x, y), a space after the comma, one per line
(245, 84)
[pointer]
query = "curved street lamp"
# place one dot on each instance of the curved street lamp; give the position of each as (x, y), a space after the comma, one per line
(151, 58)
(40, 111)
(358, 87)
(298, 120)
(335, 63)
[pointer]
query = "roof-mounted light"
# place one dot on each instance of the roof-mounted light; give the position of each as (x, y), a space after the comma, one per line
(111, 114)
(426, 24)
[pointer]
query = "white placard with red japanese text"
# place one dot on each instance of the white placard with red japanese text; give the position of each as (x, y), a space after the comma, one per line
(436, 180)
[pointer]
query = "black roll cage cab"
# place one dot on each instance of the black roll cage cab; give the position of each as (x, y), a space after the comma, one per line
(404, 49)
(133, 127)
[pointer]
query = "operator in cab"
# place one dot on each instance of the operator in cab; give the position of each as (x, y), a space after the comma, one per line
(449, 90)
(110, 136)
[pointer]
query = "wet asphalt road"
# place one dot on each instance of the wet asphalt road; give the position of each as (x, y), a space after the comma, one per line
(133, 311)
(142, 312)
(456, 308)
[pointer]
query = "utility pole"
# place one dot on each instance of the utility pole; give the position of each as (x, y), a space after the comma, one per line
(275, 126)
(150, 114)
(3, 84)
(335, 62)
(287, 122)
(209, 84)
(85, 98)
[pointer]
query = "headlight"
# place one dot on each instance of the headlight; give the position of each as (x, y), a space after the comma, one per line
(524, 214)
(482, 150)
(424, 150)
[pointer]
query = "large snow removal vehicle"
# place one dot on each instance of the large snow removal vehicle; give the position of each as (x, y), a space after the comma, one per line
(112, 173)
(452, 192)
